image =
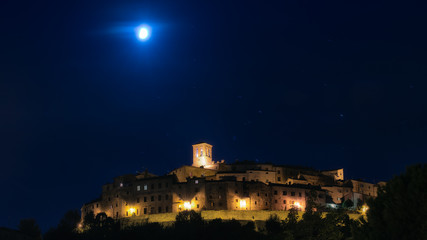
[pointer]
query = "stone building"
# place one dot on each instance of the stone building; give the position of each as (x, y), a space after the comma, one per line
(210, 185)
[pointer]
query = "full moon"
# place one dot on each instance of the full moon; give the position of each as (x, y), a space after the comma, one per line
(143, 33)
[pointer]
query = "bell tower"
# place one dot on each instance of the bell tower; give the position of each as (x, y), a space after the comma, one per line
(202, 155)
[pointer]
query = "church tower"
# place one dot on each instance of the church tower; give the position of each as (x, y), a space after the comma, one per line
(202, 155)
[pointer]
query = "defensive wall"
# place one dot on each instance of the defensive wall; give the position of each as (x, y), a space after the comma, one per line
(257, 216)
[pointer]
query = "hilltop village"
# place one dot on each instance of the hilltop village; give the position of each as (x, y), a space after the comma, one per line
(210, 185)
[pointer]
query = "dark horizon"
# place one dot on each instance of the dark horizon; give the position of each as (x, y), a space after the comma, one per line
(318, 84)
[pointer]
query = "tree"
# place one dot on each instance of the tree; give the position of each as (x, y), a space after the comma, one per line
(273, 225)
(400, 209)
(31, 228)
(66, 227)
(348, 203)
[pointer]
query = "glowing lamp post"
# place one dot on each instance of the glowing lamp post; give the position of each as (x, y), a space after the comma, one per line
(187, 205)
(242, 204)
(132, 211)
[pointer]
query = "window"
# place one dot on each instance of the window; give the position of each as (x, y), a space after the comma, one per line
(197, 152)
(97, 205)
(152, 198)
(126, 213)
(266, 203)
(278, 171)
(236, 192)
(257, 194)
(197, 206)
(279, 179)
(237, 200)
(121, 184)
(275, 192)
(160, 198)
(197, 199)
(117, 204)
(284, 201)
(137, 200)
(145, 210)
(292, 193)
(285, 193)
(145, 199)
(138, 188)
(275, 201)
(299, 194)
(255, 202)
(152, 210)
(160, 210)
(166, 209)
(145, 187)
(243, 179)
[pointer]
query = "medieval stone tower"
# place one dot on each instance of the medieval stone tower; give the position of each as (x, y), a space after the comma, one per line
(202, 155)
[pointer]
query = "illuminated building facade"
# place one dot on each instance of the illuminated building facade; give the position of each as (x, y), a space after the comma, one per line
(209, 185)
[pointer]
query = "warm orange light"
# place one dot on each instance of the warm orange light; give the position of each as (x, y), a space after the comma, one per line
(242, 204)
(202, 161)
(187, 205)
(132, 210)
(297, 204)
(364, 209)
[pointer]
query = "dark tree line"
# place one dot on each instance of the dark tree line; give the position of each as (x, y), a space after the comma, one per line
(399, 212)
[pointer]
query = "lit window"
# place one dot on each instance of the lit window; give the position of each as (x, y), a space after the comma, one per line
(145, 187)
(121, 184)
(196, 181)
(197, 152)
(138, 188)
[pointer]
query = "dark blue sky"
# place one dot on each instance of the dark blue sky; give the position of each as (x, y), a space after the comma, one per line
(326, 84)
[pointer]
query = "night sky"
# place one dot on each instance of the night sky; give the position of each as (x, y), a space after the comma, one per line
(324, 84)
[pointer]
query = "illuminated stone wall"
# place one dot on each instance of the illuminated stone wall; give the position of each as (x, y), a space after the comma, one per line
(250, 215)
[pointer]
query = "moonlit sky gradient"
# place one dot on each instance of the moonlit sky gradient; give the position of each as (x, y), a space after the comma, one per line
(326, 84)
